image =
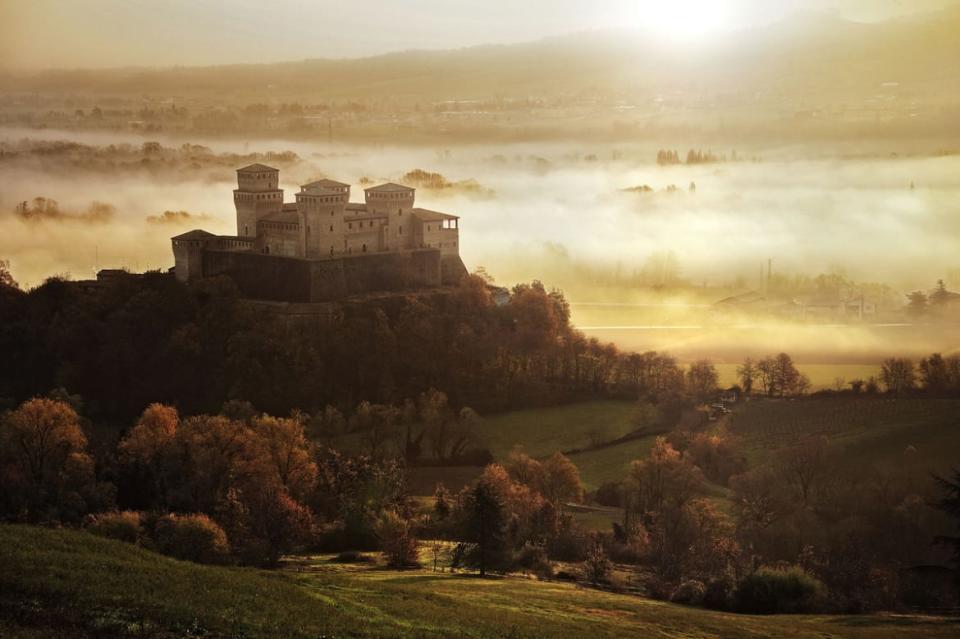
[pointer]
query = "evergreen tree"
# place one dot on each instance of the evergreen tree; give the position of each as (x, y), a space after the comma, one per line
(483, 524)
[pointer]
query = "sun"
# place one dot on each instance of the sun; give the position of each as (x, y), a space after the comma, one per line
(682, 19)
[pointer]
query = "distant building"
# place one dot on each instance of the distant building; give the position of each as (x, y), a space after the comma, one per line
(408, 247)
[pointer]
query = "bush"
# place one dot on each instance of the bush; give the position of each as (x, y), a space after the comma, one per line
(690, 592)
(123, 526)
(532, 558)
(194, 537)
(351, 557)
(718, 594)
(596, 567)
(397, 540)
(772, 591)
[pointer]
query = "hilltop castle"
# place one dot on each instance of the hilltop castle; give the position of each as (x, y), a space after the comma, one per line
(322, 246)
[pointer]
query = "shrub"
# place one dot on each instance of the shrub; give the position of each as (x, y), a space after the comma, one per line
(689, 592)
(609, 494)
(771, 591)
(569, 544)
(596, 568)
(718, 593)
(397, 540)
(532, 558)
(194, 537)
(123, 526)
(351, 557)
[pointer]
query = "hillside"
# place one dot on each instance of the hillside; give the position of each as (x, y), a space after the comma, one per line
(68, 583)
(807, 57)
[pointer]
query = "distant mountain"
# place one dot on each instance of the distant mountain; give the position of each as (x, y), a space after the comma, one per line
(809, 56)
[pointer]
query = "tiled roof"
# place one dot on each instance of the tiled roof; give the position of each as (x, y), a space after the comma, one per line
(426, 215)
(256, 168)
(324, 183)
(196, 234)
(389, 187)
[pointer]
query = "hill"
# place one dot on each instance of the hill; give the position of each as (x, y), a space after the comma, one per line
(67, 583)
(808, 56)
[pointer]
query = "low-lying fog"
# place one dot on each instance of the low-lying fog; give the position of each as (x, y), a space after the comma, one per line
(558, 212)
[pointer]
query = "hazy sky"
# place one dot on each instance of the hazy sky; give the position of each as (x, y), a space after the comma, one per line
(107, 33)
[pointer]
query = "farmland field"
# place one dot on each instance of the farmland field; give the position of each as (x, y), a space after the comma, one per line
(867, 430)
(58, 583)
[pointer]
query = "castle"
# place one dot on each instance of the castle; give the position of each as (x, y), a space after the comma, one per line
(322, 246)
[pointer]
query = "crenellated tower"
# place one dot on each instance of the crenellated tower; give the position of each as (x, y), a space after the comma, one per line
(320, 209)
(395, 202)
(256, 196)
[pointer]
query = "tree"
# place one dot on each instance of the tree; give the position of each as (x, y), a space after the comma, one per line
(263, 521)
(597, 566)
(934, 374)
(804, 464)
(561, 481)
(897, 375)
(46, 470)
(747, 373)
(483, 524)
(524, 469)
(940, 296)
(702, 380)
(398, 541)
(441, 501)
(288, 452)
(917, 303)
(148, 447)
(950, 504)
(6, 278)
(663, 480)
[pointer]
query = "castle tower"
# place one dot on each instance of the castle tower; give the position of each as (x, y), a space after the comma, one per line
(320, 209)
(257, 196)
(394, 201)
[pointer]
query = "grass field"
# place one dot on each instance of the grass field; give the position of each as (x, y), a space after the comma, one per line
(63, 583)
(544, 431)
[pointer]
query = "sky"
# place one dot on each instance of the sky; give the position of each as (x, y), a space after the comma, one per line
(41, 34)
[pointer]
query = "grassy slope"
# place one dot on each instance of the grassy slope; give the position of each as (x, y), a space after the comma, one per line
(68, 583)
(544, 431)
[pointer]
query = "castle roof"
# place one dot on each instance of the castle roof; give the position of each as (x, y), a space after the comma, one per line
(389, 187)
(426, 215)
(324, 184)
(195, 234)
(256, 168)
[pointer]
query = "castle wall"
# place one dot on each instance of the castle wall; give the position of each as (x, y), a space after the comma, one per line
(278, 238)
(271, 277)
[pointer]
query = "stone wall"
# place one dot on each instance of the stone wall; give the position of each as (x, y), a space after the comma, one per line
(273, 277)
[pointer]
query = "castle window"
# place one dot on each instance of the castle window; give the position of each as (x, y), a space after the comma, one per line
(400, 212)
(331, 228)
(364, 248)
(350, 225)
(400, 231)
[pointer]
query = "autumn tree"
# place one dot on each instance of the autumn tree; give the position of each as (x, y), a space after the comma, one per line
(288, 452)
(398, 541)
(561, 481)
(46, 469)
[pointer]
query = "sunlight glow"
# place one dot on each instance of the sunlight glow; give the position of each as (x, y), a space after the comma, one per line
(682, 19)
